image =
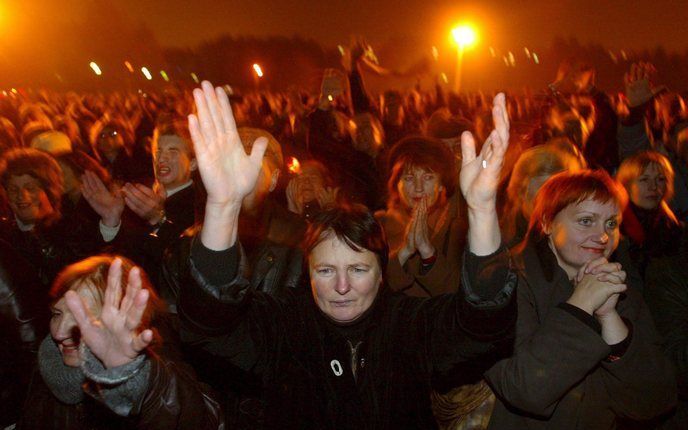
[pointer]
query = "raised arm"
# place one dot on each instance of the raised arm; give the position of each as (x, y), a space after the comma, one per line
(480, 178)
(228, 173)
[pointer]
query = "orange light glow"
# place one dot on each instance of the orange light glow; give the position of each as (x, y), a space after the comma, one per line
(129, 66)
(464, 35)
(294, 166)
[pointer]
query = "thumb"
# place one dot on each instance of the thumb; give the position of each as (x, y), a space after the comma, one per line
(258, 150)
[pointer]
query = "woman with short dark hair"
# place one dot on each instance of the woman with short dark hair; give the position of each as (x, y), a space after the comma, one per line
(349, 353)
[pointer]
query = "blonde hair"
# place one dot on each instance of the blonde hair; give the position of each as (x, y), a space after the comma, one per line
(540, 160)
(92, 274)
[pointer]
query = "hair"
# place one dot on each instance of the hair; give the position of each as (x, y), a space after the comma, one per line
(80, 162)
(92, 273)
(38, 164)
(634, 166)
(537, 161)
(353, 225)
(175, 127)
(9, 137)
(569, 188)
(273, 153)
(425, 153)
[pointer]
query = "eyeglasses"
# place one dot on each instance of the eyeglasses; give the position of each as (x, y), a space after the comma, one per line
(110, 133)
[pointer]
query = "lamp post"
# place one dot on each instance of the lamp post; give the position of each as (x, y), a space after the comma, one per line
(464, 36)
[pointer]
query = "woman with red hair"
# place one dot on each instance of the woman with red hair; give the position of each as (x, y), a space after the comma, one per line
(586, 351)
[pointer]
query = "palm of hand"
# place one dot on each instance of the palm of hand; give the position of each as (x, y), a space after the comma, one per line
(227, 172)
(479, 175)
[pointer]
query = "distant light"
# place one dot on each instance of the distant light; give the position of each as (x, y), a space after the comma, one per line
(294, 166)
(258, 70)
(536, 58)
(330, 98)
(194, 77)
(493, 53)
(506, 61)
(435, 53)
(512, 59)
(95, 68)
(14, 91)
(164, 76)
(527, 52)
(444, 78)
(59, 77)
(623, 55)
(613, 57)
(464, 35)
(146, 73)
(341, 49)
(129, 66)
(4, 93)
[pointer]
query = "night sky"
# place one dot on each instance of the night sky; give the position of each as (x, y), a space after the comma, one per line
(617, 24)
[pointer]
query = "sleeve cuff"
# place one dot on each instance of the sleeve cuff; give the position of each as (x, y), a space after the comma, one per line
(581, 316)
(207, 262)
(619, 349)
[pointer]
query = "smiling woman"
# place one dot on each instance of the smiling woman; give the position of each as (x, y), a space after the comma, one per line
(583, 339)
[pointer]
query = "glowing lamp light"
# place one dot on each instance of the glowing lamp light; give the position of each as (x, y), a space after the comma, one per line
(294, 166)
(129, 66)
(258, 70)
(146, 73)
(464, 35)
(95, 68)
(164, 75)
(194, 77)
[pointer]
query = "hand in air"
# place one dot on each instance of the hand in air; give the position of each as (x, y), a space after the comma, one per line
(228, 174)
(115, 337)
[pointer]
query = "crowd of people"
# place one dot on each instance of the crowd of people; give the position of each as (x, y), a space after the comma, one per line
(417, 259)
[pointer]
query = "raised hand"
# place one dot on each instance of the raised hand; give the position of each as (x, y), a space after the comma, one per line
(145, 202)
(228, 174)
(109, 205)
(639, 83)
(480, 174)
(327, 197)
(115, 337)
(294, 203)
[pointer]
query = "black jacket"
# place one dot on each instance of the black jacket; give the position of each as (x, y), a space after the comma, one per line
(560, 376)
(22, 326)
(307, 367)
(171, 397)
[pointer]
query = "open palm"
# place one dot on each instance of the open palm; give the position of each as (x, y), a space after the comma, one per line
(227, 172)
(114, 337)
(480, 173)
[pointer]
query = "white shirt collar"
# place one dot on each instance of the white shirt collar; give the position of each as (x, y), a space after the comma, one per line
(169, 193)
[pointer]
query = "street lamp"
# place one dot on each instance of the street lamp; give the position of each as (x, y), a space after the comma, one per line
(464, 36)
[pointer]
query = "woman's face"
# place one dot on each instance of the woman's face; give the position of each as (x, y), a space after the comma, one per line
(648, 189)
(584, 232)
(344, 282)
(64, 329)
(417, 183)
(27, 199)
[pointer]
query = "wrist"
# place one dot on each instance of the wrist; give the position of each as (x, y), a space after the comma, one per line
(585, 308)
